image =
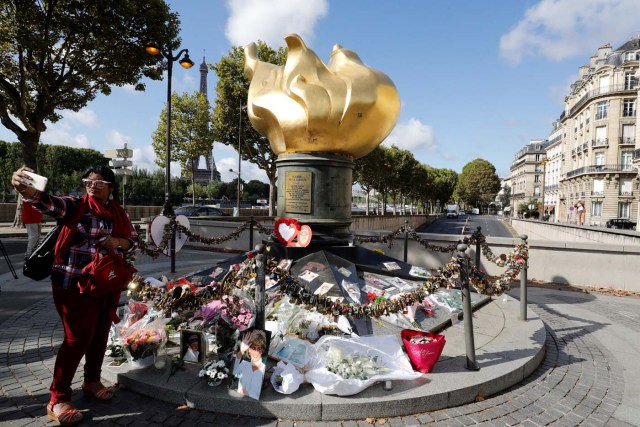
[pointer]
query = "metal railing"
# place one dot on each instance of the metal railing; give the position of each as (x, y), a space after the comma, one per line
(597, 193)
(600, 142)
(602, 168)
(608, 90)
(627, 140)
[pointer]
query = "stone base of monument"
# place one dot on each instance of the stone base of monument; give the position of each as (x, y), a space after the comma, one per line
(507, 351)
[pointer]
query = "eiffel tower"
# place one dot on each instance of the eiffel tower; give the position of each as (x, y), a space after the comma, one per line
(209, 173)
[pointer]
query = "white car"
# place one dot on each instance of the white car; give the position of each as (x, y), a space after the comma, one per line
(461, 213)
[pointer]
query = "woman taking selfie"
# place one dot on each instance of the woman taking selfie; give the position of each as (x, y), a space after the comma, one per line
(93, 222)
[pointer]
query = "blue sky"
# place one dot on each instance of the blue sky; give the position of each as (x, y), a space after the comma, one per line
(477, 79)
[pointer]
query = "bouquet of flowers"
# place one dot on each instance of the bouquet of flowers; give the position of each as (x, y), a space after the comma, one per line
(144, 337)
(346, 366)
(237, 311)
(214, 372)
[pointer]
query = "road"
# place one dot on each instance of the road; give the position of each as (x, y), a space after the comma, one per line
(492, 226)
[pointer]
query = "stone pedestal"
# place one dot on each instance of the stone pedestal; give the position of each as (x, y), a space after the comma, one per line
(315, 189)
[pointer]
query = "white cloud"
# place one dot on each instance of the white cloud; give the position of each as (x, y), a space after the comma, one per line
(253, 20)
(227, 158)
(85, 117)
(60, 134)
(412, 135)
(117, 139)
(560, 29)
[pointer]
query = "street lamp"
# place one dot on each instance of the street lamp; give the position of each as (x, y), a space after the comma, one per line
(544, 172)
(167, 210)
(239, 189)
(239, 154)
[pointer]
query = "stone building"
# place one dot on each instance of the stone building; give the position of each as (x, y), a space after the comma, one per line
(527, 174)
(599, 129)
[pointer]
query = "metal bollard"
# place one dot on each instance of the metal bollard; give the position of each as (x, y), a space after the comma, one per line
(467, 313)
(478, 249)
(260, 284)
(251, 234)
(406, 239)
(523, 286)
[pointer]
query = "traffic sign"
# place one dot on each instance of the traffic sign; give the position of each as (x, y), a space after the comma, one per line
(119, 152)
(127, 172)
(120, 163)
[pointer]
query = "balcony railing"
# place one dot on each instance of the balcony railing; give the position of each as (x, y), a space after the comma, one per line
(627, 140)
(601, 169)
(608, 90)
(553, 187)
(626, 194)
(597, 194)
(600, 142)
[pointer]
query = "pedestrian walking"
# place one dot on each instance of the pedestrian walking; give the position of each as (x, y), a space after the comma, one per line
(32, 220)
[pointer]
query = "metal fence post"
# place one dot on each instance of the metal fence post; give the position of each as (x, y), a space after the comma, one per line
(523, 285)
(478, 249)
(260, 280)
(467, 314)
(406, 239)
(251, 234)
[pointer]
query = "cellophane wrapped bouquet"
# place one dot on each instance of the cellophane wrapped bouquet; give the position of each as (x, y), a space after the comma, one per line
(346, 366)
(238, 311)
(144, 337)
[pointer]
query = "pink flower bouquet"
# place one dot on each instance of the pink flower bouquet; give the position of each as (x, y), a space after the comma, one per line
(141, 341)
(237, 311)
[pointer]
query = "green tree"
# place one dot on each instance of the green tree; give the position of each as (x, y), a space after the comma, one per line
(505, 197)
(478, 183)
(231, 123)
(191, 134)
(445, 182)
(58, 55)
(366, 171)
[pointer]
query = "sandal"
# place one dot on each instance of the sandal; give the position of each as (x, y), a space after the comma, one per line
(66, 415)
(98, 391)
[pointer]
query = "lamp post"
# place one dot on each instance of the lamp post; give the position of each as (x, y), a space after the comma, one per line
(167, 210)
(239, 153)
(544, 172)
(238, 189)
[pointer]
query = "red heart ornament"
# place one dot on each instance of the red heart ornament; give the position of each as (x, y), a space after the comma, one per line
(286, 230)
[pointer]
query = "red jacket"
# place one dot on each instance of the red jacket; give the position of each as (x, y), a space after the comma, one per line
(30, 215)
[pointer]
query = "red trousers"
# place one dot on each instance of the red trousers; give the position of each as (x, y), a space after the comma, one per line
(86, 324)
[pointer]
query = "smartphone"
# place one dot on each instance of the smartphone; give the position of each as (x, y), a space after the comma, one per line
(39, 182)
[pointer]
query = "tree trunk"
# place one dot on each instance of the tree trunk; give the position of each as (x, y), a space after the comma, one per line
(29, 141)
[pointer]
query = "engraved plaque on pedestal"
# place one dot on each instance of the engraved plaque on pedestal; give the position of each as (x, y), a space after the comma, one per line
(298, 192)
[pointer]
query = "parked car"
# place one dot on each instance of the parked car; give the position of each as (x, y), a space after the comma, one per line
(461, 213)
(475, 211)
(621, 223)
(200, 210)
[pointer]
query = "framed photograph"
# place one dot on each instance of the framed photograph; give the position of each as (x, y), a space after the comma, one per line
(308, 276)
(324, 288)
(192, 346)
(293, 350)
(250, 362)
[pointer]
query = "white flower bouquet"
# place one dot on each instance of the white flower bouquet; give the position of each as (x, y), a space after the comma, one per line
(346, 366)
(214, 372)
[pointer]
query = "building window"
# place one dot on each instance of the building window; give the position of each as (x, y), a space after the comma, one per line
(628, 134)
(626, 159)
(599, 155)
(536, 191)
(630, 56)
(588, 119)
(629, 107)
(596, 209)
(601, 110)
(601, 135)
(598, 187)
(537, 157)
(536, 178)
(630, 80)
(624, 210)
(604, 84)
(626, 187)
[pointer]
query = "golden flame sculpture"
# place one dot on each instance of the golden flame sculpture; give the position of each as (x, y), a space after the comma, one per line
(306, 106)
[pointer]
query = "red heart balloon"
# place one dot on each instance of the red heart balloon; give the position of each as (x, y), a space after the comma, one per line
(286, 230)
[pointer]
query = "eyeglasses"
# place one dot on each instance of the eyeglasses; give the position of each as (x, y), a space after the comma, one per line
(97, 183)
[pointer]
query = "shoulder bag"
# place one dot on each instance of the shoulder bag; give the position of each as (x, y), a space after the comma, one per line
(106, 274)
(38, 265)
